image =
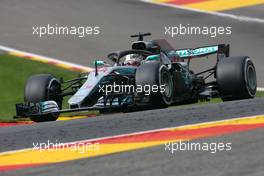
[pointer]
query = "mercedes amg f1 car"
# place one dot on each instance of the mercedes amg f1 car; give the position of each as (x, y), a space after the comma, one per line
(152, 74)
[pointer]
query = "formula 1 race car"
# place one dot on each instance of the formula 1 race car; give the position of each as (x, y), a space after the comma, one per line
(152, 74)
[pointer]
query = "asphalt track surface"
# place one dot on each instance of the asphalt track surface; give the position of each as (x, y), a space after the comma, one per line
(244, 158)
(119, 19)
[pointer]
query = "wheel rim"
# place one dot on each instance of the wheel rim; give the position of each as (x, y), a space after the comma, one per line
(251, 78)
(166, 80)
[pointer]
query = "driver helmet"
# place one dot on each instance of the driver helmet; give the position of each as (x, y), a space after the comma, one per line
(132, 60)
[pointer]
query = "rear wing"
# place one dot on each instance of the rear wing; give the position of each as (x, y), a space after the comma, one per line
(221, 50)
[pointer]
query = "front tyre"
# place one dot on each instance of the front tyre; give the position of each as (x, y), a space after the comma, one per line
(236, 78)
(40, 88)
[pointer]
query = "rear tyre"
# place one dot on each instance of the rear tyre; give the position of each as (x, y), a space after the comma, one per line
(153, 74)
(236, 78)
(43, 87)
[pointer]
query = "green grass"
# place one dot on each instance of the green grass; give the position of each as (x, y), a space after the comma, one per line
(260, 94)
(14, 72)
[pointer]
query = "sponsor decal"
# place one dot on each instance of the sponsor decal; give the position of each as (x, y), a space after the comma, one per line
(195, 52)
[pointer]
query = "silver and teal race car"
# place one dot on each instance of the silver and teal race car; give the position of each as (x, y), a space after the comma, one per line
(152, 74)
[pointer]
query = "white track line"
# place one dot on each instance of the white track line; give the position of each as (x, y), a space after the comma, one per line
(236, 17)
(143, 132)
(7, 49)
(260, 89)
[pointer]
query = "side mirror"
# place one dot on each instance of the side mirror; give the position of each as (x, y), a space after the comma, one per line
(153, 57)
(96, 64)
(99, 62)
